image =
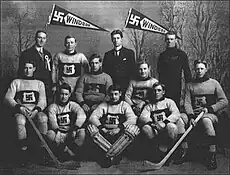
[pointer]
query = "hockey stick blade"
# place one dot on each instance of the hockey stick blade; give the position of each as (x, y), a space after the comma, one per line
(156, 166)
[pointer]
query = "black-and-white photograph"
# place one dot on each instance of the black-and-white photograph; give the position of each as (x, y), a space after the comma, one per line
(115, 87)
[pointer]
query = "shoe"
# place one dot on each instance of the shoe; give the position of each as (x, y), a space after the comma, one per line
(106, 162)
(117, 160)
(180, 156)
(211, 161)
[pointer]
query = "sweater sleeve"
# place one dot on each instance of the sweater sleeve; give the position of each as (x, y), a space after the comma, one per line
(42, 96)
(10, 94)
(80, 89)
(97, 114)
(128, 93)
(131, 118)
(80, 114)
(188, 100)
(222, 100)
(145, 115)
(175, 113)
(52, 118)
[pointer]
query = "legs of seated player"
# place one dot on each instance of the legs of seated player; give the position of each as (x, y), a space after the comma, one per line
(42, 122)
(21, 130)
(208, 121)
(181, 152)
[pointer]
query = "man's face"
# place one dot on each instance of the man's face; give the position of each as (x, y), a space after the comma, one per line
(29, 70)
(40, 40)
(170, 40)
(115, 96)
(64, 95)
(95, 64)
(70, 44)
(117, 40)
(200, 70)
(158, 92)
(143, 70)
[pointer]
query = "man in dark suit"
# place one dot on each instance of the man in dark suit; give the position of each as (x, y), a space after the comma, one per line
(43, 60)
(119, 62)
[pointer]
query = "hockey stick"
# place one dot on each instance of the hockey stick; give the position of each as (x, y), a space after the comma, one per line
(56, 162)
(156, 166)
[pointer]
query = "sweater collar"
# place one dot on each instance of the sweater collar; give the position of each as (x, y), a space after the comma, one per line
(202, 79)
(96, 73)
(67, 53)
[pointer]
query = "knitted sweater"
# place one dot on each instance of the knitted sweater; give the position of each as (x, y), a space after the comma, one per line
(65, 117)
(207, 93)
(67, 68)
(27, 92)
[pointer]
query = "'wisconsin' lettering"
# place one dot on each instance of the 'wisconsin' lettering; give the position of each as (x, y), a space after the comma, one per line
(74, 21)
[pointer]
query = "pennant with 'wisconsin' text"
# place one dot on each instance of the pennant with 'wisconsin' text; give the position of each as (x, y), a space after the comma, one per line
(136, 20)
(60, 16)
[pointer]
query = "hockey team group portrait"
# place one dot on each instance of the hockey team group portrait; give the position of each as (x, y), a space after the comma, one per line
(115, 87)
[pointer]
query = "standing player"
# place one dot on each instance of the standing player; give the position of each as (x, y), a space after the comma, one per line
(113, 125)
(119, 62)
(27, 98)
(69, 65)
(205, 94)
(92, 87)
(43, 60)
(170, 65)
(66, 119)
(136, 94)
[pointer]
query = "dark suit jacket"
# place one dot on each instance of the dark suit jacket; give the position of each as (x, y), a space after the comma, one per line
(42, 72)
(121, 68)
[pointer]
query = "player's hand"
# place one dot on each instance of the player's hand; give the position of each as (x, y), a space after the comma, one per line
(93, 107)
(85, 107)
(160, 125)
(205, 110)
(104, 130)
(33, 113)
(114, 131)
(192, 122)
(73, 134)
(25, 111)
(54, 90)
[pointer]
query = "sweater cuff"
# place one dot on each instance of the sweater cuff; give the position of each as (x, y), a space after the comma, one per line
(39, 109)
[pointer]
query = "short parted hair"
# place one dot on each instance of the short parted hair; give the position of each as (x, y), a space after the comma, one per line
(69, 36)
(158, 84)
(141, 62)
(28, 61)
(39, 31)
(198, 61)
(94, 55)
(114, 32)
(114, 88)
(65, 86)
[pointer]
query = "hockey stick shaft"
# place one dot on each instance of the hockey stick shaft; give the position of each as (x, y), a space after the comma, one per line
(161, 163)
(51, 154)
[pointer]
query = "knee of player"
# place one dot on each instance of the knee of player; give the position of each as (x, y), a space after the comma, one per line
(172, 128)
(51, 135)
(42, 117)
(147, 130)
(206, 121)
(184, 118)
(20, 119)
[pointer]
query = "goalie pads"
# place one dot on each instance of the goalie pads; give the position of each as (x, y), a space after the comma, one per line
(98, 138)
(131, 131)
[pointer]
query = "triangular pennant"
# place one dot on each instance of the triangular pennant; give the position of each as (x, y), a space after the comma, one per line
(60, 16)
(137, 20)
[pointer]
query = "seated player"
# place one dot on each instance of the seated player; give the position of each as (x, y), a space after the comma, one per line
(27, 98)
(205, 94)
(91, 87)
(160, 119)
(65, 120)
(113, 126)
(137, 91)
